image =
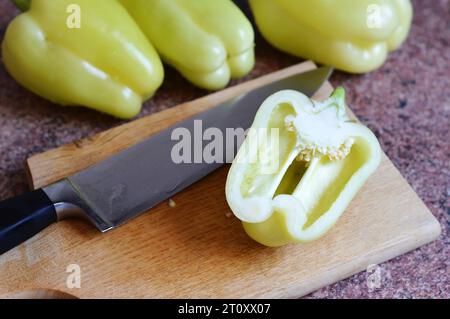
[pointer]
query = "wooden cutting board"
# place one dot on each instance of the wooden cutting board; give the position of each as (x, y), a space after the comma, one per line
(197, 248)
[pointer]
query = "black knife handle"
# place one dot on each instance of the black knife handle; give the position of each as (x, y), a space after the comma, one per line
(24, 216)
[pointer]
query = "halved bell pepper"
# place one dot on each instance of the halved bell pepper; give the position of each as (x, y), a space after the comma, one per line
(106, 64)
(352, 35)
(322, 159)
(208, 42)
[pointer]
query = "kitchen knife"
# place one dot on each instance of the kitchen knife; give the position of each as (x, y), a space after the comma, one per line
(131, 182)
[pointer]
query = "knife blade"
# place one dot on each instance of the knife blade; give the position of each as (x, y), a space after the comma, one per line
(131, 182)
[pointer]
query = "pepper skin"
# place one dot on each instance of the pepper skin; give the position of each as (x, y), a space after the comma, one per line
(322, 159)
(352, 35)
(208, 42)
(107, 64)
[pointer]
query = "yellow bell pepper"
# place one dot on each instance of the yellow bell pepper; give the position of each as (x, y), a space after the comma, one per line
(208, 42)
(322, 158)
(352, 35)
(101, 59)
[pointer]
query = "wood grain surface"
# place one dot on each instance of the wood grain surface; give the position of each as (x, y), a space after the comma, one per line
(197, 248)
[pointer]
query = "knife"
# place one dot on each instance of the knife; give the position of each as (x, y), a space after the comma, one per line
(112, 192)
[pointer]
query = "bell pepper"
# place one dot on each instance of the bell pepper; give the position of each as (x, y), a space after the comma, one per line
(105, 63)
(322, 159)
(208, 42)
(352, 35)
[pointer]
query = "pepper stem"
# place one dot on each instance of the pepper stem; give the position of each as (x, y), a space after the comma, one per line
(23, 5)
(339, 98)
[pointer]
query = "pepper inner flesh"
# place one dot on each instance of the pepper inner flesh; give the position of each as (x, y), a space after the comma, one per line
(291, 178)
(317, 183)
(320, 188)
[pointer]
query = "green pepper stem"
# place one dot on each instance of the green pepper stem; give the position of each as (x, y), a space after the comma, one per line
(23, 5)
(339, 94)
(339, 98)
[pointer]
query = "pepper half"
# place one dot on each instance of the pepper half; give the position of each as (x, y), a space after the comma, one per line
(208, 42)
(323, 159)
(352, 35)
(106, 64)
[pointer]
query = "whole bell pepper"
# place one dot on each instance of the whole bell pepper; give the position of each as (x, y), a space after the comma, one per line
(352, 35)
(294, 187)
(104, 63)
(208, 42)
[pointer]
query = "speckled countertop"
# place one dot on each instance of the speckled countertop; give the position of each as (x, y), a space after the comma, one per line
(406, 103)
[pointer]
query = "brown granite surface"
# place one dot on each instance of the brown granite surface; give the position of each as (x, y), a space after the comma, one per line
(406, 103)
